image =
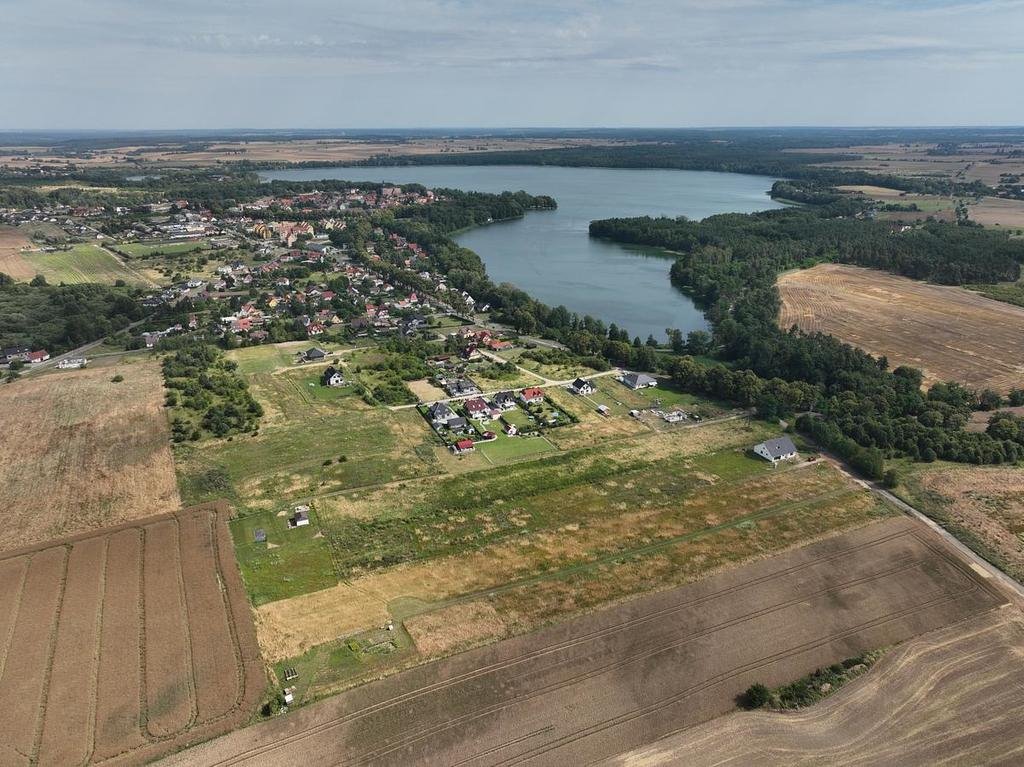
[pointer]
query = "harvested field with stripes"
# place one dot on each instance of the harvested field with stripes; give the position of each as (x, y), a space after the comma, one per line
(949, 697)
(949, 333)
(120, 646)
(616, 679)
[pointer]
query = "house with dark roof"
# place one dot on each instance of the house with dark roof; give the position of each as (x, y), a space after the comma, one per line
(440, 413)
(333, 377)
(460, 387)
(775, 450)
(505, 400)
(638, 380)
(582, 386)
(313, 355)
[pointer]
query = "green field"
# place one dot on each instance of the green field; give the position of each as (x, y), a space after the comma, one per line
(169, 248)
(505, 448)
(84, 262)
(313, 440)
(292, 561)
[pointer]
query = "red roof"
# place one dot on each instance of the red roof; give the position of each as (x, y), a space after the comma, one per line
(532, 392)
(464, 444)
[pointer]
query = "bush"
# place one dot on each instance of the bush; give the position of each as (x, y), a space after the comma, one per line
(756, 696)
(117, 378)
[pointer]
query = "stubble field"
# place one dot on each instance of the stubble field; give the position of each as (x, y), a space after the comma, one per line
(949, 697)
(80, 452)
(587, 689)
(126, 644)
(949, 333)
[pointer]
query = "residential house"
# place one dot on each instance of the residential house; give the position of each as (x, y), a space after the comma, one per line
(300, 518)
(461, 387)
(638, 380)
(312, 355)
(775, 450)
(531, 395)
(458, 424)
(463, 446)
(505, 400)
(333, 377)
(34, 358)
(582, 386)
(440, 413)
(477, 408)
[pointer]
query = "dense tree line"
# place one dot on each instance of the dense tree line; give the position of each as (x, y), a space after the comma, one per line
(61, 317)
(736, 152)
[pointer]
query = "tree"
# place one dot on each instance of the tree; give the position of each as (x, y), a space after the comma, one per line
(39, 281)
(756, 696)
(676, 340)
(989, 400)
(698, 342)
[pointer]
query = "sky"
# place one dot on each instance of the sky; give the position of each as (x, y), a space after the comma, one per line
(180, 64)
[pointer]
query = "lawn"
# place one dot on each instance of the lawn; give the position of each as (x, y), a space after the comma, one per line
(84, 262)
(506, 448)
(292, 561)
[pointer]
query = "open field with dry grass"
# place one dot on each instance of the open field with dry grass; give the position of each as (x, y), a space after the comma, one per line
(913, 159)
(122, 645)
(983, 506)
(949, 333)
(620, 678)
(599, 550)
(13, 260)
(949, 697)
(304, 150)
(80, 452)
(987, 211)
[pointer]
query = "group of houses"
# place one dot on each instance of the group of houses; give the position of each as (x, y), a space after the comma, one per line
(456, 419)
(23, 354)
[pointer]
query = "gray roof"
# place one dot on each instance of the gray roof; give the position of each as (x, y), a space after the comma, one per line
(779, 446)
(440, 409)
(639, 378)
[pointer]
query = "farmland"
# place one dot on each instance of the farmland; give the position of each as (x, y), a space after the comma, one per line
(949, 333)
(124, 644)
(84, 262)
(81, 452)
(539, 541)
(946, 697)
(616, 679)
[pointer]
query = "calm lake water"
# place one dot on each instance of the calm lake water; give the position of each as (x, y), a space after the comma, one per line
(550, 255)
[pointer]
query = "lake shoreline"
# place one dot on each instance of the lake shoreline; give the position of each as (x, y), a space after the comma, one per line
(550, 255)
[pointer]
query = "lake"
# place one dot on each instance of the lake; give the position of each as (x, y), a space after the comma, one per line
(550, 254)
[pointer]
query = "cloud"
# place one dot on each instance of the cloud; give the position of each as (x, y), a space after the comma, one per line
(553, 60)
